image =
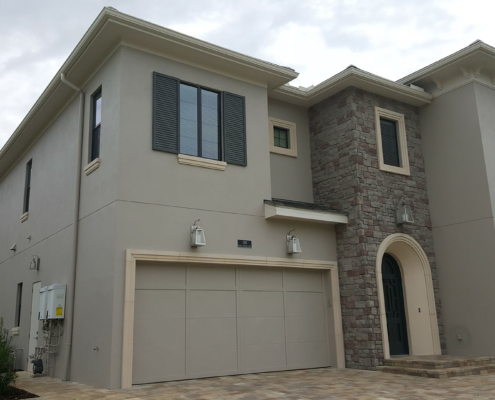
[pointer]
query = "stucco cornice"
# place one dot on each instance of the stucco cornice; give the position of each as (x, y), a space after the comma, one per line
(458, 57)
(356, 77)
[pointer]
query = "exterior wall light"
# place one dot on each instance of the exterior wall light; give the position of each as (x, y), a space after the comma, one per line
(197, 235)
(404, 214)
(293, 245)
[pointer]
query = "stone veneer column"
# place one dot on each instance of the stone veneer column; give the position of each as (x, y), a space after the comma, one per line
(346, 177)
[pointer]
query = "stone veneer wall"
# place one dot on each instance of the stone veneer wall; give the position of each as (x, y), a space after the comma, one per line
(346, 177)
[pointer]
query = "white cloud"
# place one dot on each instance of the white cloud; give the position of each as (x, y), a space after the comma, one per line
(318, 38)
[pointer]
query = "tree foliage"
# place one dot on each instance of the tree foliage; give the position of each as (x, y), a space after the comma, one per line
(7, 373)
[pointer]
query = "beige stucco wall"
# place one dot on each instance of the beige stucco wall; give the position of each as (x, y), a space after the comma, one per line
(291, 176)
(458, 149)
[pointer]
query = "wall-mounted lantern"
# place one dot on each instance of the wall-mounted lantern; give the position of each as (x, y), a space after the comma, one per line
(404, 214)
(197, 235)
(35, 263)
(293, 245)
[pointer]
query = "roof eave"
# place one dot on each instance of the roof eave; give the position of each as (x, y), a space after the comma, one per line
(357, 78)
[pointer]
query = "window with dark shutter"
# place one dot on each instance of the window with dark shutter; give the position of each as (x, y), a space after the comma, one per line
(390, 143)
(165, 113)
(189, 119)
(234, 120)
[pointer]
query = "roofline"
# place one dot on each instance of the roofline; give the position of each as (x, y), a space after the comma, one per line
(446, 61)
(109, 13)
(353, 75)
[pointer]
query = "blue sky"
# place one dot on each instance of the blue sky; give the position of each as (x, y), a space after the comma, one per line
(316, 38)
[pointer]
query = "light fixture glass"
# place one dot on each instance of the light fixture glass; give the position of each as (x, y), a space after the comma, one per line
(293, 245)
(198, 237)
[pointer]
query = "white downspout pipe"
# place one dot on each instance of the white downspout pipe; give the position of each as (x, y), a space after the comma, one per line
(69, 317)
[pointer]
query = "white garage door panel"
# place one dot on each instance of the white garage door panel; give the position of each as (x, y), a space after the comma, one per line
(195, 321)
(264, 357)
(207, 332)
(305, 329)
(262, 330)
(211, 304)
(158, 365)
(259, 279)
(160, 304)
(212, 361)
(262, 304)
(153, 276)
(300, 304)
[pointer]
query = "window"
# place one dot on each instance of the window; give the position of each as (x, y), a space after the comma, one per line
(95, 126)
(205, 127)
(391, 141)
(199, 122)
(27, 190)
(18, 305)
(283, 138)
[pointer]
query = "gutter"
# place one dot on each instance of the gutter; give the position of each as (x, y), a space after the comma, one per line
(77, 196)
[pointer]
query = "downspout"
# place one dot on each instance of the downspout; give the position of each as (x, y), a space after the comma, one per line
(69, 317)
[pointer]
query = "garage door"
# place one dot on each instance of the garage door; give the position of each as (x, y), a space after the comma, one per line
(193, 322)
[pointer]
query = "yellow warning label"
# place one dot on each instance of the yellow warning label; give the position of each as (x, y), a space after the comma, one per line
(59, 311)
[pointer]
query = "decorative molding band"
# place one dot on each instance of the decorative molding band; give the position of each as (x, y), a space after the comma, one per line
(92, 166)
(132, 256)
(24, 216)
(201, 162)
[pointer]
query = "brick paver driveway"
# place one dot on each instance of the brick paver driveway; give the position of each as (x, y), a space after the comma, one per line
(325, 383)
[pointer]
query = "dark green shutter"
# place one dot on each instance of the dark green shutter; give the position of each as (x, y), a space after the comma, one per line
(234, 128)
(165, 113)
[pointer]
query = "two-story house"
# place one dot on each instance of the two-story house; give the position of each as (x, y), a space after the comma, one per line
(202, 217)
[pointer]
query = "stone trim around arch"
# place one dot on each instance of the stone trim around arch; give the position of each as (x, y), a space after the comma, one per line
(402, 239)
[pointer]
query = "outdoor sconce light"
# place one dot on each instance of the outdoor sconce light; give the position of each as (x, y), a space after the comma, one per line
(293, 245)
(197, 235)
(404, 214)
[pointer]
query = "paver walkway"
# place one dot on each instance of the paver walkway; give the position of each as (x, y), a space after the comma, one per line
(324, 383)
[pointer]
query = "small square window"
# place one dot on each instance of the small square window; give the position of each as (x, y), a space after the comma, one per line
(391, 141)
(283, 138)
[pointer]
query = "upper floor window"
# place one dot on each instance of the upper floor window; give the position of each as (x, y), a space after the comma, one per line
(391, 141)
(199, 122)
(27, 189)
(95, 125)
(18, 305)
(283, 139)
(192, 120)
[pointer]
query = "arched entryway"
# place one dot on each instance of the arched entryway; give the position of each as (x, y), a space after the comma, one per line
(393, 294)
(421, 326)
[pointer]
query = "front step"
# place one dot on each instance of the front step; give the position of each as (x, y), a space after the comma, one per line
(439, 366)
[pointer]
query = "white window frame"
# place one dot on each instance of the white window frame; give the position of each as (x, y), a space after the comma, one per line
(402, 141)
(291, 127)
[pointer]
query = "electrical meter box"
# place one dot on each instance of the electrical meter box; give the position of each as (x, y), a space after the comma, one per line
(43, 298)
(55, 304)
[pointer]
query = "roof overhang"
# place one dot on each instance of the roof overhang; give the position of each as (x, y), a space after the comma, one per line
(356, 77)
(277, 211)
(475, 62)
(112, 29)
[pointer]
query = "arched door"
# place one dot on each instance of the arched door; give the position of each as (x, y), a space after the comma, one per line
(394, 306)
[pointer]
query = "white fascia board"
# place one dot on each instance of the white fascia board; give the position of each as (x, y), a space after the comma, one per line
(352, 77)
(326, 217)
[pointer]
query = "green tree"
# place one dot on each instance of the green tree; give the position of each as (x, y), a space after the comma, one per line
(7, 373)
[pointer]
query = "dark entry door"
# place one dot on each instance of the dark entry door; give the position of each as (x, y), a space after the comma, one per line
(394, 306)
